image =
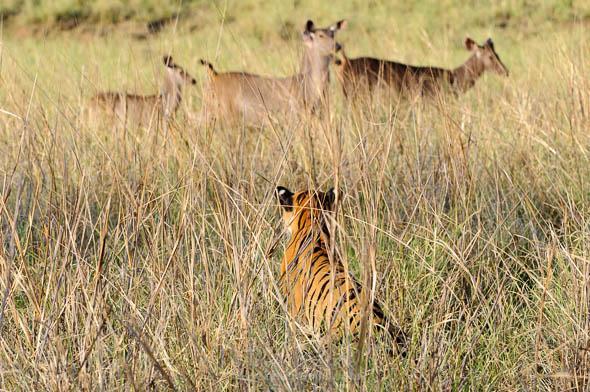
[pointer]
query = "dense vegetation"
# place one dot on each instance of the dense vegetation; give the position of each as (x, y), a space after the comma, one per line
(149, 257)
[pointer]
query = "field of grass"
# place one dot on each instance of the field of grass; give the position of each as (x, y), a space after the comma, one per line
(149, 258)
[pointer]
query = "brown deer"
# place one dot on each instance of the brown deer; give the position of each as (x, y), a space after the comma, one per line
(140, 109)
(254, 99)
(364, 74)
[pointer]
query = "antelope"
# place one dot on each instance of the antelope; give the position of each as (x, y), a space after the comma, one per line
(253, 98)
(139, 109)
(364, 74)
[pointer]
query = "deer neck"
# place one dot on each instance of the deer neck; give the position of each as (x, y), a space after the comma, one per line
(467, 74)
(171, 93)
(315, 74)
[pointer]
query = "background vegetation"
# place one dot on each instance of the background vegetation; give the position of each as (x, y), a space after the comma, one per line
(148, 258)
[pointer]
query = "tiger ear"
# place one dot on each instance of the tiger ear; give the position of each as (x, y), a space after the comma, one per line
(329, 199)
(285, 197)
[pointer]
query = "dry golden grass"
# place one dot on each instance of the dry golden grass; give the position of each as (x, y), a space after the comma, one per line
(148, 258)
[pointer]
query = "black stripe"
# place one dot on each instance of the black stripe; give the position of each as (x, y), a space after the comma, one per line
(378, 312)
(336, 309)
(300, 197)
(356, 314)
(351, 294)
(297, 240)
(318, 275)
(300, 220)
(319, 299)
(306, 241)
(294, 238)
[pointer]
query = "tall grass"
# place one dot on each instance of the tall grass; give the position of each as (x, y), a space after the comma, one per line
(148, 258)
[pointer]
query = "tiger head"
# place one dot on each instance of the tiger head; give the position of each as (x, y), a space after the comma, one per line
(305, 208)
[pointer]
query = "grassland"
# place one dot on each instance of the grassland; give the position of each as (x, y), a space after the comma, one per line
(148, 258)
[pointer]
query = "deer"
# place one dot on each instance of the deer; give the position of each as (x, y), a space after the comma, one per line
(254, 99)
(139, 109)
(364, 74)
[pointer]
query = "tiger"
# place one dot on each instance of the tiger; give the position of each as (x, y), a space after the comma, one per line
(315, 285)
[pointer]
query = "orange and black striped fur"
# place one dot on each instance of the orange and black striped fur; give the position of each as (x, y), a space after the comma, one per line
(317, 289)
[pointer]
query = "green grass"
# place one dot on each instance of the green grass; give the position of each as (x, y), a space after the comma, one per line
(141, 259)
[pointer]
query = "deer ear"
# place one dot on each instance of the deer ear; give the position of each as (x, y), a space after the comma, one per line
(309, 26)
(168, 61)
(285, 197)
(470, 44)
(341, 24)
(490, 43)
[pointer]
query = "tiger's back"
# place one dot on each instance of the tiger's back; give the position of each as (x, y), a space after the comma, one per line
(317, 289)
